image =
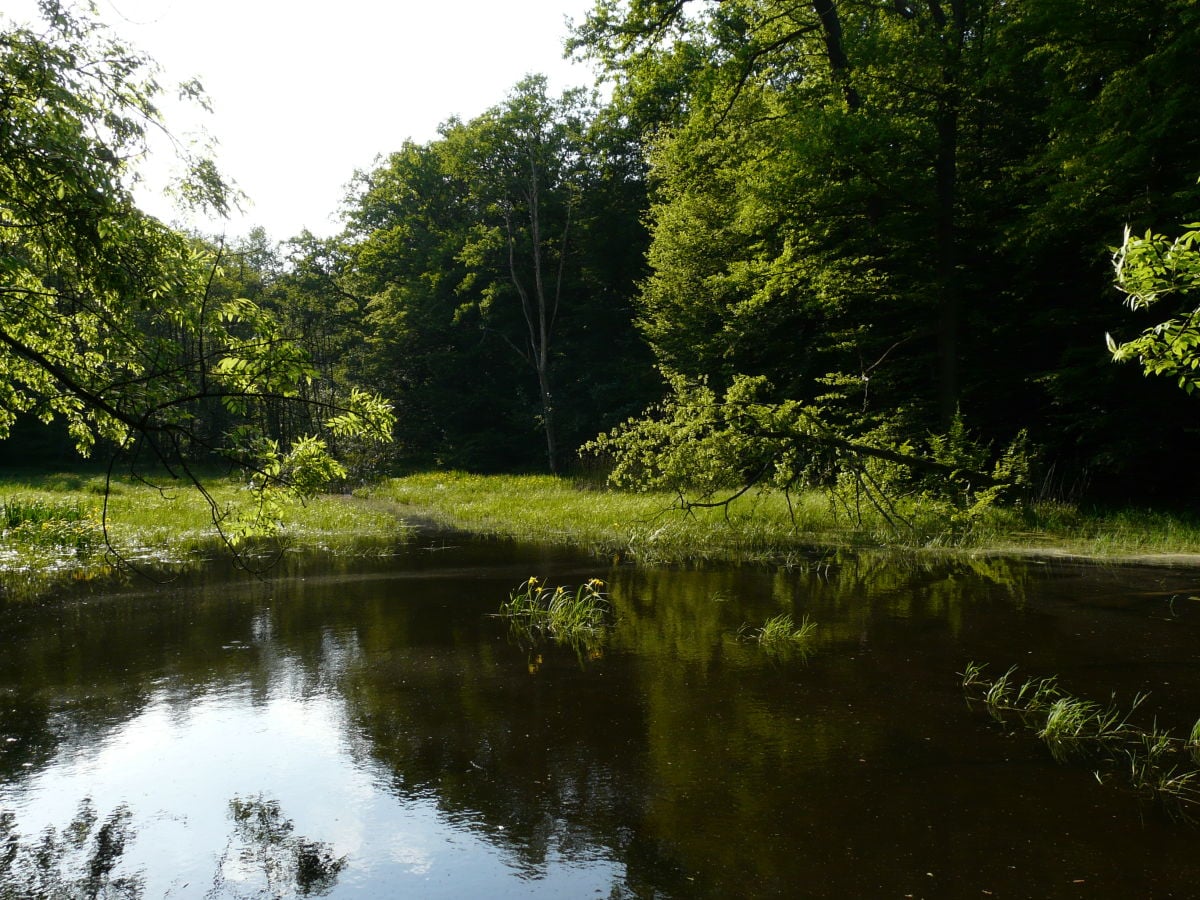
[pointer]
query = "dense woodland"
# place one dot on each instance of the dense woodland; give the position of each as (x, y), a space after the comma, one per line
(796, 234)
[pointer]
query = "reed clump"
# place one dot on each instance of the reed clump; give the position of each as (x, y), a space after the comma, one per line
(576, 616)
(1157, 763)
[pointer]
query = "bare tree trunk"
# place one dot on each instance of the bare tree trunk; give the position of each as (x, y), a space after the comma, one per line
(540, 308)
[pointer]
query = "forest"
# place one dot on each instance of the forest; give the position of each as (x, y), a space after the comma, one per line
(797, 243)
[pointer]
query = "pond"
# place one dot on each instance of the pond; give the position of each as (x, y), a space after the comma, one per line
(367, 727)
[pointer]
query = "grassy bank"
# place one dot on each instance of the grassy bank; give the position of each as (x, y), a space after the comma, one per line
(646, 528)
(53, 525)
(50, 525)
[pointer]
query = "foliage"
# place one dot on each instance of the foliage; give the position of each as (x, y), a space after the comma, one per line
(1149, 270)
(868, 206)
(495, 265)
(698, 444)
(110, 320)
(575, 617)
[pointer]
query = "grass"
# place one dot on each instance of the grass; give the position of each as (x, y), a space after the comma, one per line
(766, 527)
(1157, 763)
(577, 617)
(53, 525)
(174, 524)
(781, 631)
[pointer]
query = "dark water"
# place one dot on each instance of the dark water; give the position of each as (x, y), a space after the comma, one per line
(365, 728)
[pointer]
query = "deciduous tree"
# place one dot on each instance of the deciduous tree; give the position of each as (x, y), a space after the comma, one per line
(109, 317)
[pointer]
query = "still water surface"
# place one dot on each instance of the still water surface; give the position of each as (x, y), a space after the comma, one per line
(367, 728)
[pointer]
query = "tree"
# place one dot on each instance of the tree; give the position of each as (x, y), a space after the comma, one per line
(524, 159)
(897, 213)
(507, 248)
(110, 319)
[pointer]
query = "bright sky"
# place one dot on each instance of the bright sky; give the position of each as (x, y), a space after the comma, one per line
(304, 93)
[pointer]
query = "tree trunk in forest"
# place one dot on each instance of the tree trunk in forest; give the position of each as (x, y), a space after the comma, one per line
(952, 32)
(946, 175)
(540, 308)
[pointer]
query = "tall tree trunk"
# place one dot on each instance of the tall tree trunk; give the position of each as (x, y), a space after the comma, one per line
(540, 308)
(949, 293)
(835, 50)
(951, 33)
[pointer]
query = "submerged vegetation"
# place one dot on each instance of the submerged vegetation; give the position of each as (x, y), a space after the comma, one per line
(1158, 764)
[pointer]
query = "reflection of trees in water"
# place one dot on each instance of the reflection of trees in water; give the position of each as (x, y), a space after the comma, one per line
(77, 864)
(263, 858)
(541, 762)
(580, 757)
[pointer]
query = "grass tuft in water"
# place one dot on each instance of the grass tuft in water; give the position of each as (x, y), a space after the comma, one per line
(569, 616)
(1193, 742)
(781, 630)
(1158, 764)
(1075, 727)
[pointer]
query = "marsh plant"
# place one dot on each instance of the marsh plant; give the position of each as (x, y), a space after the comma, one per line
(781, 633)
(33, 522)
(1157, 763)
(573, 616)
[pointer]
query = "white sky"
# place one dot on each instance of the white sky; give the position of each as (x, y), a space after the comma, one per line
(305, 92)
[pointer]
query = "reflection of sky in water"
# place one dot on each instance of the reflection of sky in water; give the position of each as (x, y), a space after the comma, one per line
(178, 764)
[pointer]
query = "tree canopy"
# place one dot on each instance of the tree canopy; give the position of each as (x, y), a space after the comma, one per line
(818, 242)
(111, 319)
(896, 215)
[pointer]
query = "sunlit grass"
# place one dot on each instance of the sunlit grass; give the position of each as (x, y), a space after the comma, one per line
(649, 527)
(782, 630)
(79, 526)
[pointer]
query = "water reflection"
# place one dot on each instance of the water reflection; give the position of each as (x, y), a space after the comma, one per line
(418, 747)
(262, 858)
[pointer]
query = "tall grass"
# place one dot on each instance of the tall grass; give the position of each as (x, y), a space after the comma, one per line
(781, 631)
(39, 525)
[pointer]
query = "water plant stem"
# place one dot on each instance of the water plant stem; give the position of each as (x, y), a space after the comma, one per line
(1158, 763)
